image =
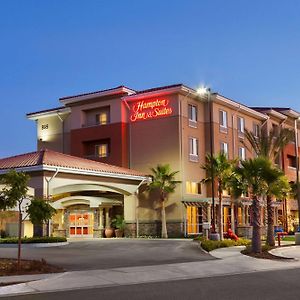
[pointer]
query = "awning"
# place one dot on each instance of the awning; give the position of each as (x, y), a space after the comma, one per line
(196, 202)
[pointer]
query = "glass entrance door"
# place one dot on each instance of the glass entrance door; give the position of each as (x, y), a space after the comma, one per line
(81, 224)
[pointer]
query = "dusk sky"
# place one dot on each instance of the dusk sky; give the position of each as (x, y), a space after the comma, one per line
(246, 50)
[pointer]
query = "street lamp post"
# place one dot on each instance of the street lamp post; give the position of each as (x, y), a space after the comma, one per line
(297, 170)
(207, 91)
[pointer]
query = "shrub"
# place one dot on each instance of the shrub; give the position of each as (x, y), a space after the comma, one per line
(209, 245)
(46, 239)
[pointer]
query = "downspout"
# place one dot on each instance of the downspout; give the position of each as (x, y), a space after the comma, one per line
(63, 131)
(48, 196)
(129, 137)
(233, 135)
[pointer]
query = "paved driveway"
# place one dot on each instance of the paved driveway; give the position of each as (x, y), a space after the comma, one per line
(114, 253)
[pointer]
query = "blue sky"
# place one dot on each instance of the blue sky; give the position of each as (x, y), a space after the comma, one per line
(246, 50)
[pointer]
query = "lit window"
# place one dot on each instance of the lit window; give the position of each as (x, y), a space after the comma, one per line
(102, 150)
(241, 126)
(192, 111)
(193, 187)
(193, 145)
(224, 148)
(242, 153)
(223, 119)
(102, 118)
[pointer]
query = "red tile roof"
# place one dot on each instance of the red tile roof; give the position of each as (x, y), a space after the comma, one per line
(51, 158)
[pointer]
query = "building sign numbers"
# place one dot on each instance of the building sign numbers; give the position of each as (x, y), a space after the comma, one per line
(45, 126)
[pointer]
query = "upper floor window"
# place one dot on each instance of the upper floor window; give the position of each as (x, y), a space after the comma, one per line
(193, 115)
(242, 153)
(292, 161)
(193, 187)
(223, 120)
(241, 126)
(102, 150)
(193, 149)
(224, 148)
(256, 130)
(102, 117)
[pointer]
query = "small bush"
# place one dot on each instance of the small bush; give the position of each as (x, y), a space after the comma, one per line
(33, 240)
(209, 245)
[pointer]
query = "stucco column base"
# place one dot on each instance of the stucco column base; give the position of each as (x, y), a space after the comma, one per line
(244, 231)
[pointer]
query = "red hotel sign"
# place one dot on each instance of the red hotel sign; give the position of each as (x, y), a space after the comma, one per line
(150, 109)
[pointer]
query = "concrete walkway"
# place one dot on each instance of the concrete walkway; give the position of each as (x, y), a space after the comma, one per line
(230, 261)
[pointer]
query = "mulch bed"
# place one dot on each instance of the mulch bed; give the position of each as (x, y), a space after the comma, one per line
(265, 255)
(28, 267)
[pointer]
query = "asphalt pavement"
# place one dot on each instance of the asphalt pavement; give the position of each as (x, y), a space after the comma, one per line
(94, 254)
(271, 285)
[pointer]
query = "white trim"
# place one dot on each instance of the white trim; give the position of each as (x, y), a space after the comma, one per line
(222, 100)
(74, 99)
(48, 113)
(77, 171)
(160, 92)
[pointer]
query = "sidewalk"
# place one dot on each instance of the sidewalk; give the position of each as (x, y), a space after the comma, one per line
(230, 262)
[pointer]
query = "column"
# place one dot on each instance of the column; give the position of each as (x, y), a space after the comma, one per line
(101, 219)
(209, 213)
(232, 221)
(107, 219)
(243, 215)
(247, 215)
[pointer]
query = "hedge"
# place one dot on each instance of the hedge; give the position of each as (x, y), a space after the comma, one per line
(209, 245)
(32, 240)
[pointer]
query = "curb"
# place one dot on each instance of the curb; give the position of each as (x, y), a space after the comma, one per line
(35, 245)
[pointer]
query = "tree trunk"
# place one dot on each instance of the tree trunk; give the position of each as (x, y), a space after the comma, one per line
(270, 232)
(19, 237)
(220, 215)
(256, 232)
(164, 233)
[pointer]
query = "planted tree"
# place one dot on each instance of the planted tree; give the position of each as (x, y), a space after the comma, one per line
(221, 168)
(163, 181)
(250, 177)
(270, 145)
(14, 194)
(277, 186)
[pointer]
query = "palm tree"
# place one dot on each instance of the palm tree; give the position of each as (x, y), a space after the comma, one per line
(250, 176)
(163, 181)
(221, 168)
(270, 146)
(278, 187)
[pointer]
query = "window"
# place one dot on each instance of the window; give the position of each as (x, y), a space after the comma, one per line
(292, 162)
(224, 148)
(102, 117)
(193, 187)
(192, 115)
(241, 126)
(102, 150)
(223, 120)
(275, 129)
(193, 145)
(242, 153)
(256, 130)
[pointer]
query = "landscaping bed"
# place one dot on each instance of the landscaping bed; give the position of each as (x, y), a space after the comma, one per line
(33, 240)
(8, 267)
(209, 245)
(264, 254)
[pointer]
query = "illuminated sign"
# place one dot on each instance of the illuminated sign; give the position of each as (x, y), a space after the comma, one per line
(150, 109)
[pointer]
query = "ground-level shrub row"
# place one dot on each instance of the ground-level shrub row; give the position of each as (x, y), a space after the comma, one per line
(209, 245)
(14, 240)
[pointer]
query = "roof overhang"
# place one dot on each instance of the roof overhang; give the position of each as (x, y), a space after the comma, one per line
(162, 92)
(276, 114)
(238, 106)
(291, 113)
(110, 92)
(38, 168)
(49, 113)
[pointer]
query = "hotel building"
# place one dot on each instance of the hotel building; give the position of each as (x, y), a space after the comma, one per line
(136, 130)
